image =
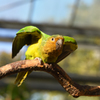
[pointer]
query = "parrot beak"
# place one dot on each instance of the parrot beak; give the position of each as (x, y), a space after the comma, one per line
(59, 44)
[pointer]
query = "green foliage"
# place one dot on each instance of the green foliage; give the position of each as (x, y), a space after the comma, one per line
(12, 92)
(82, 62)
(5, 58)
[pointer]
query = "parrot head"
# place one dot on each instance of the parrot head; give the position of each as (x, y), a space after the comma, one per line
(53, 48)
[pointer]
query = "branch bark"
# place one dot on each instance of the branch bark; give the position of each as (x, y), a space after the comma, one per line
(67, 83)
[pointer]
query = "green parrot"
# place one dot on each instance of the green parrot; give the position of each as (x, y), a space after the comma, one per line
(49, 49)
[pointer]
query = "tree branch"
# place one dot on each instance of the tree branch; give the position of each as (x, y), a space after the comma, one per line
(73, 88)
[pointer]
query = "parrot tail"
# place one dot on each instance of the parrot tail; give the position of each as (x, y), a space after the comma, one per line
(21, 77)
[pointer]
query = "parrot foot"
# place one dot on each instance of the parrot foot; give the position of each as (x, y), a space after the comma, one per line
(40, 60)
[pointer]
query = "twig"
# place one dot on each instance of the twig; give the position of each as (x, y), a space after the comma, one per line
(73, 88)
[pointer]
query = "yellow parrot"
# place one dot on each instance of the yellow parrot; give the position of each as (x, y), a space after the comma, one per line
(49, 49)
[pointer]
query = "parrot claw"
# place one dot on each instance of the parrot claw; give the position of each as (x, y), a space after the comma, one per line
(40, 60)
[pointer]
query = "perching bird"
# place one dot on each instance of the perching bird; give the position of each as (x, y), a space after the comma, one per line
(50, 49)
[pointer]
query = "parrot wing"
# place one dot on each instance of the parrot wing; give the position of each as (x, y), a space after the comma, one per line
(69, 46)
(25, 36)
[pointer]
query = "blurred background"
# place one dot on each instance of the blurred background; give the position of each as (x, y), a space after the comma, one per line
(79, 19)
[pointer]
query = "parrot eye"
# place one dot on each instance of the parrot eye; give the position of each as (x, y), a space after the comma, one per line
(52, 39)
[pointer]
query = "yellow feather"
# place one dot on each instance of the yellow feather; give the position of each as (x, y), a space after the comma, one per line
(30, 54)
(20, 77)
(32, 51)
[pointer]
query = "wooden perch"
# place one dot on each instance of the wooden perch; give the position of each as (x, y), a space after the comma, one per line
(73, 88)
